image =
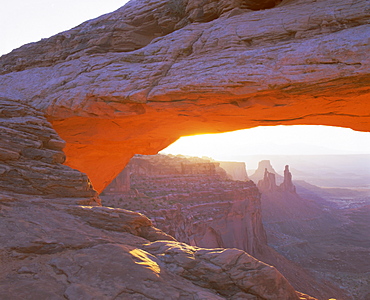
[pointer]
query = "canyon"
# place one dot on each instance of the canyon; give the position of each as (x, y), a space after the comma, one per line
(324, 230)
(197, 202)
(77, 106)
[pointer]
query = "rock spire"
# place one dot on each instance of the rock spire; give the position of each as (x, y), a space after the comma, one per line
(287, 184)
(268, 183)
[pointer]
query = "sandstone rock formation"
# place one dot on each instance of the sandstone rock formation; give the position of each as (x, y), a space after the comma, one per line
(135, 80)
(54, 251)
(52, 248)
(206, 209)
(193, 200)
(316, 234)
(287, 184)
(268, 183)
(224, 266)
(171, 165)
(31, 158)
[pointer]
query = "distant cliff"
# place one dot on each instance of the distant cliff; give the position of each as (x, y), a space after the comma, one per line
(153, 165)
(193, 199)
(236, 170)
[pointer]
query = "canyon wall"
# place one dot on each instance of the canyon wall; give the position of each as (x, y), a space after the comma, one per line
(209, 210)
(135, 80)
(236, 170)
(193, 200)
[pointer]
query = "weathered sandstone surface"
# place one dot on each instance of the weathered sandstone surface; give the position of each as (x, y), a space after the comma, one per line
(31, 158)
(187, 199)
(135, 80)
(54, 246)
(54, 251)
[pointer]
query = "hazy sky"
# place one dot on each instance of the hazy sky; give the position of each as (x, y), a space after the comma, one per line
(274, 140)
(24, 21)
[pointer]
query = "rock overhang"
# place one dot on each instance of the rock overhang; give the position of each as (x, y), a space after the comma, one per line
(303, 62)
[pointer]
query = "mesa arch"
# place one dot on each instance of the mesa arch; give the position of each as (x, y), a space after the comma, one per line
(135, 80)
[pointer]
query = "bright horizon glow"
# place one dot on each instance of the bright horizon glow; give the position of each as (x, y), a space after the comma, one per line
(274, 140)
(23, 22)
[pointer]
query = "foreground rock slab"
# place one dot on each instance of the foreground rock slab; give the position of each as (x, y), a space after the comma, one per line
(53, 251)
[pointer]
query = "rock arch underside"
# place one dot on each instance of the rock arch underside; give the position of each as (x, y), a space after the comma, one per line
(135, 80)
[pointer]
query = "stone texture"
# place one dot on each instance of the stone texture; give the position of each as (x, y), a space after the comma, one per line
(54, 251)
(31, 158)
(230, 272)
(135, 80)
(193, 200)
(204, 210)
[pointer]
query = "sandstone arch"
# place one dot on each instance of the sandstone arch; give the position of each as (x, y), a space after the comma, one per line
(135, 80)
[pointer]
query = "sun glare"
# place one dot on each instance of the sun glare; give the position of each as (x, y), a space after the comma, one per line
(274, 140)
(42, 19)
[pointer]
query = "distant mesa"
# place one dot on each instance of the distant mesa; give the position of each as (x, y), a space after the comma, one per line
(259, 174)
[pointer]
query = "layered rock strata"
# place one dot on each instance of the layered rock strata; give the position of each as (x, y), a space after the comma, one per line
(54, 251)
(205, 209)
(52, 248)
(193, 200)
(31, 158)
(118, 85)
(135, 80)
